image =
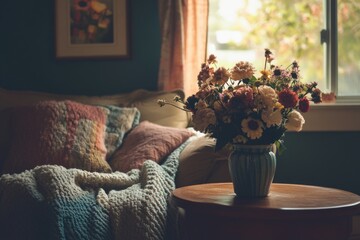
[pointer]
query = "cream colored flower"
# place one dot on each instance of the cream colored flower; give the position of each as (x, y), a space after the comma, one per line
(242, 70)
(203, 118)
(252, 127)
(295, 121)
(267, 96)
(272, 117)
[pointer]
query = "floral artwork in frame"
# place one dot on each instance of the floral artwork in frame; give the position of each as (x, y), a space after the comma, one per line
(92, 28)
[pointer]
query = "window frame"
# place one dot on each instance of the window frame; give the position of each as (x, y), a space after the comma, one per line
(331, 52)
(344, 114)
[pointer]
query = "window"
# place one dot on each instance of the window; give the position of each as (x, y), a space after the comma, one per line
(322, 35)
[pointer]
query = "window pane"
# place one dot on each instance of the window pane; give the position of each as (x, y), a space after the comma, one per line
(240, 30)
(348, 47)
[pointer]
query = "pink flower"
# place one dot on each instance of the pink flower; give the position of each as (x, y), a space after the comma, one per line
(288, 98)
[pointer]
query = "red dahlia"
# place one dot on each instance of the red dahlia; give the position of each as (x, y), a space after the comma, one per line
(288, 98)
(304, 104)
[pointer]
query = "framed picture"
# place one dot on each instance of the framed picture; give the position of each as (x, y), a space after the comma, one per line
(91, 29)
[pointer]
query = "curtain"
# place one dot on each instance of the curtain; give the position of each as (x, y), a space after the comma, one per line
(183, 26)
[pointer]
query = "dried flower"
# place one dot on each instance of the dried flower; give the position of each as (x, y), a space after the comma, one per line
(221, 76)
(161, 102)
(242, 70)
(203, 118)
(316, 95)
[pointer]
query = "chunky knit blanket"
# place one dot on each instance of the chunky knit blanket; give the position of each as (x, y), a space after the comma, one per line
(52, 202)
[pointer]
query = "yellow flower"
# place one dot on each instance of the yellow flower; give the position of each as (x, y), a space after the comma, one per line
(279, 105)
(265, 74)
(252, 127)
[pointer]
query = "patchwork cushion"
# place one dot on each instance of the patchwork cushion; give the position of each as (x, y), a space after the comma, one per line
(66, 133)
(147, 141)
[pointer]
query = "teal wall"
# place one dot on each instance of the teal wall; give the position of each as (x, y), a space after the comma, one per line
(27, 56)
(27, 62)
(329, 159)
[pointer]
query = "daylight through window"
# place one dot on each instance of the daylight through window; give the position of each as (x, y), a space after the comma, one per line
(240, 30)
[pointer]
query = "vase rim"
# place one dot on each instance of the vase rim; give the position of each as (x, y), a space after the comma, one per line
(248, 146)
(252, 145)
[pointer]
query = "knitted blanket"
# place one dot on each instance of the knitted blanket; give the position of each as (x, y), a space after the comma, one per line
(52, 202)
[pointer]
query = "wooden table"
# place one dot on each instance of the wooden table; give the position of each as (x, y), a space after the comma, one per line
(294, 212)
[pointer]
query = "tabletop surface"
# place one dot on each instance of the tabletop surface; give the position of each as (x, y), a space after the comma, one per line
(282, 198)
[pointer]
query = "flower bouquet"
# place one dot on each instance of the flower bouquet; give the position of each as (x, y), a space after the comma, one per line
(251, 114)
(236, 107)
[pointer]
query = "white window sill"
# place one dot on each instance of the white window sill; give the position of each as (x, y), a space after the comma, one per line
(333, 117)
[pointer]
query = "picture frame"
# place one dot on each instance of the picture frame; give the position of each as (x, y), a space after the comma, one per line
(91, 29)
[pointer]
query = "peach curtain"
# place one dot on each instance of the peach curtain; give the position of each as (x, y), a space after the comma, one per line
(183, 25)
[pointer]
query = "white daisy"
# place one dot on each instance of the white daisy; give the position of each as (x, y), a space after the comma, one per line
(252, 127)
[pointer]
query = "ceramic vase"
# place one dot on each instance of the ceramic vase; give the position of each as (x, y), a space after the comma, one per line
(252, 170)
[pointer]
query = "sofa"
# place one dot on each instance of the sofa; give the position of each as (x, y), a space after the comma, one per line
(99, 166)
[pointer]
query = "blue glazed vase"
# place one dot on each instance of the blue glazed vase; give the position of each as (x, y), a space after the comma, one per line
(252, 170)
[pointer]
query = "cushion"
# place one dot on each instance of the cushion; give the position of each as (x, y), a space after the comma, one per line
(147, 141)
(200, 163)
(66, 133)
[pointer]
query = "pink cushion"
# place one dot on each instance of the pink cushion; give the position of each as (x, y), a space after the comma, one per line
(147, 141)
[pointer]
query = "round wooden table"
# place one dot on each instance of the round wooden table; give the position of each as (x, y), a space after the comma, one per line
(294, 212)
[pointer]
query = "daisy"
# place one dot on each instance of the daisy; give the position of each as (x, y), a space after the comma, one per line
(252, 127)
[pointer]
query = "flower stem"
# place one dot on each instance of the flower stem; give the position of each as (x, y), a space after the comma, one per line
(184, 109)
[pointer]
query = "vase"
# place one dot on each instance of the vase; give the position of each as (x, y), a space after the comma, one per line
(252, 169)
